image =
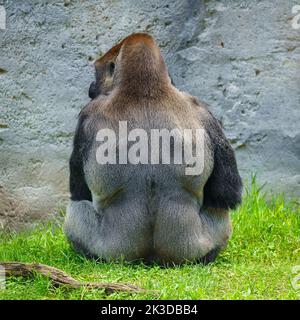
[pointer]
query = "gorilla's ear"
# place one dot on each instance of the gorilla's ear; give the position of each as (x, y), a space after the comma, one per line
(94, 91)
(111, 68)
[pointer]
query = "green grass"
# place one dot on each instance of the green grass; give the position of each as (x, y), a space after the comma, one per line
(256, 264)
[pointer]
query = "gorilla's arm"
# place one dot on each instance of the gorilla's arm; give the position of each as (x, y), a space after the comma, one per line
(78, 187)
(224, 187)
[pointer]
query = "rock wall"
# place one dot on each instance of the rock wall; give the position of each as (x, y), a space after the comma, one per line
(241, 57)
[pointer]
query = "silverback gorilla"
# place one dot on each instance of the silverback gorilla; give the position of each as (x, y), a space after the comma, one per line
(154, 212)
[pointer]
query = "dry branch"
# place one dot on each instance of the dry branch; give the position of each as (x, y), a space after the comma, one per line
(60, 277)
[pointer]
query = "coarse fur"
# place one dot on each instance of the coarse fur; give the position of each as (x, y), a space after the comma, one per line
(152, 212)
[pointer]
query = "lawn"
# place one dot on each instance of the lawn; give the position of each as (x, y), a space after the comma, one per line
(257, 263)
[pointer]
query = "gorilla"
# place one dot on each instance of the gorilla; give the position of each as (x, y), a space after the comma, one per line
(145, 211)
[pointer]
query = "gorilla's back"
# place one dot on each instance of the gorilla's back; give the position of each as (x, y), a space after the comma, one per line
(135, 195)
(149, 179)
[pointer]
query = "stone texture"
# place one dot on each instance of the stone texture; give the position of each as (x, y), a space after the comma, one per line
(242, 58)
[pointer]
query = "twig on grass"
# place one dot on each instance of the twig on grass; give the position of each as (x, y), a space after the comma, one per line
(59, 277)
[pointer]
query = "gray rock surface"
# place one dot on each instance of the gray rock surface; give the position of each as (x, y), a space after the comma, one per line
(241, 57)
